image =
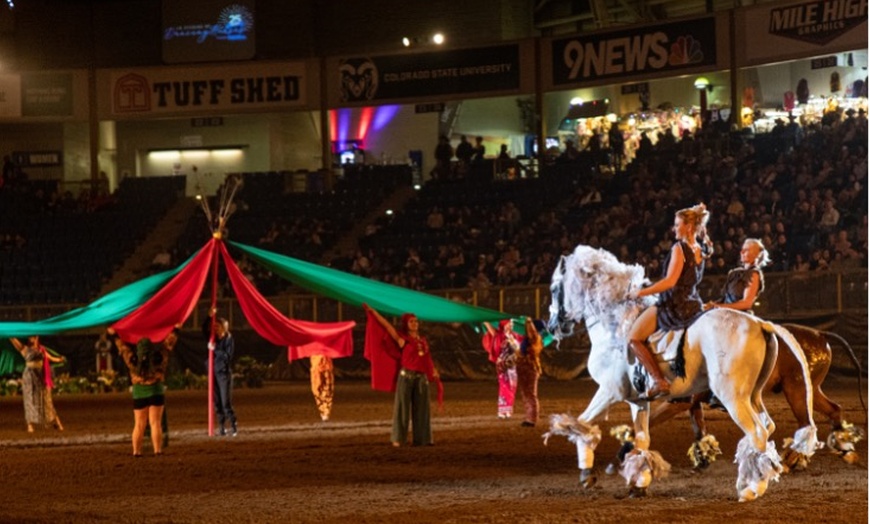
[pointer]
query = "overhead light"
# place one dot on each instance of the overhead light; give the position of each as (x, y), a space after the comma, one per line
(438, 38)
(406, 41)
(195, 152)
(416, 187)
(576, 101)
(389, 211)
(702, 83)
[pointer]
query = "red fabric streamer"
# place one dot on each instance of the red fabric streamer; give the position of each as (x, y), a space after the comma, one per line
(331, 339)
(170, 306)
(383, 353)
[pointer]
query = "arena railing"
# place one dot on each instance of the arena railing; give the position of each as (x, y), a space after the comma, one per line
(786, 295)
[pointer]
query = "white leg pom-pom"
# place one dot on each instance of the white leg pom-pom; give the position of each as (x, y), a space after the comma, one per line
(796, 452)
(575, 430)
(755, 469)
(641, 467)
(806, 441)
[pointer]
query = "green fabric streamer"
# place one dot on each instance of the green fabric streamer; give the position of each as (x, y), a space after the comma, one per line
(354, 290)
(101, 312)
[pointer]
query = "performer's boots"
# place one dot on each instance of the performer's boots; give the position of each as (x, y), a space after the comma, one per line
(660, 386)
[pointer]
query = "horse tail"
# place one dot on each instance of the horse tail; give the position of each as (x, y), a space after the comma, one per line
(809, 446)
(855, 361)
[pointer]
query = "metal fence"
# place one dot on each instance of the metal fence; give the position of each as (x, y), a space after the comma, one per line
(785, 295)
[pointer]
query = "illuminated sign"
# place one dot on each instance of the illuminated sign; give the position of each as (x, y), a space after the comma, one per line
(208, 31)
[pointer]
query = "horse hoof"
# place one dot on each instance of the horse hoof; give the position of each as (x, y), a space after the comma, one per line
(588, 478)
(850, 457)
(791, 460)
(701, 466)
(635, 492)
(747, 495)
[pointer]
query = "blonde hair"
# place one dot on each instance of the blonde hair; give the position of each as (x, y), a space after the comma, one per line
(697, 216)
(763, 257)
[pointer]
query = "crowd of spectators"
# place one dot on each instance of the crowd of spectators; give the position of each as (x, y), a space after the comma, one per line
(803, 192)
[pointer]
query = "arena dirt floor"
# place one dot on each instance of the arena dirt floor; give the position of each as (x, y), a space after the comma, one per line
(287, 466)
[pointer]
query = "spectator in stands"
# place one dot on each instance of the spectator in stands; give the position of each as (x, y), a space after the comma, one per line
(37, 383)
(570, 154)
(464, 151)
(443, 156)
(223, 347)
(10, 172)
(147, 364)
(616, 140)
(645, 147)
(435, 220)
(479, 151)
(162, 260)
(830, 217)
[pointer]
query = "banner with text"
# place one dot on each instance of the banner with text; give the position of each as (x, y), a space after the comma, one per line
(36, 95)
(457, 72)
(775, 32)
(637, 52)
(188, 90)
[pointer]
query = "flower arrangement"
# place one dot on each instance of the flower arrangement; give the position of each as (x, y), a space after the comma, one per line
(249, 372)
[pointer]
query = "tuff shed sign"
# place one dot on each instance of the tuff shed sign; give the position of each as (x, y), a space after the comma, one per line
(817, 22)
(191, 90)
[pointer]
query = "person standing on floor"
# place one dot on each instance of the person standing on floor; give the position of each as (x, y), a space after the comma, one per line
(502, 346)
(36, 383)
(412, 403)
(322, 384)
(103, 349)
(147, 364)
(222, 348)
(529, 369)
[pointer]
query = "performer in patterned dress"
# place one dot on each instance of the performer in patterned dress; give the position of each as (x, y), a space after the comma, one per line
(36, 383)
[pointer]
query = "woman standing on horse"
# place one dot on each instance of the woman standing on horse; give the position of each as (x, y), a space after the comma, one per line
(679, 303)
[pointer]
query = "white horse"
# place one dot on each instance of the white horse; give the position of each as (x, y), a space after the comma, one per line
(726, 351)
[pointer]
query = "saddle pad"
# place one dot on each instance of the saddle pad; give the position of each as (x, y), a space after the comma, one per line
(666, 343)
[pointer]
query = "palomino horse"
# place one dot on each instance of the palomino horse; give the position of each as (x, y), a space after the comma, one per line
(786, 378)
(725, 351)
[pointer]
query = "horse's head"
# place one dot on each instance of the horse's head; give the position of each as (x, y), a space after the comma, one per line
(591, 284)
(560, 323)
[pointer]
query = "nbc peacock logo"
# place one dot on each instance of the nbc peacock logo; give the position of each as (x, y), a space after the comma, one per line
(685, 50)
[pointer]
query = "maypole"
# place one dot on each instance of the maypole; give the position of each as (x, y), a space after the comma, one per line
(217, 225)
